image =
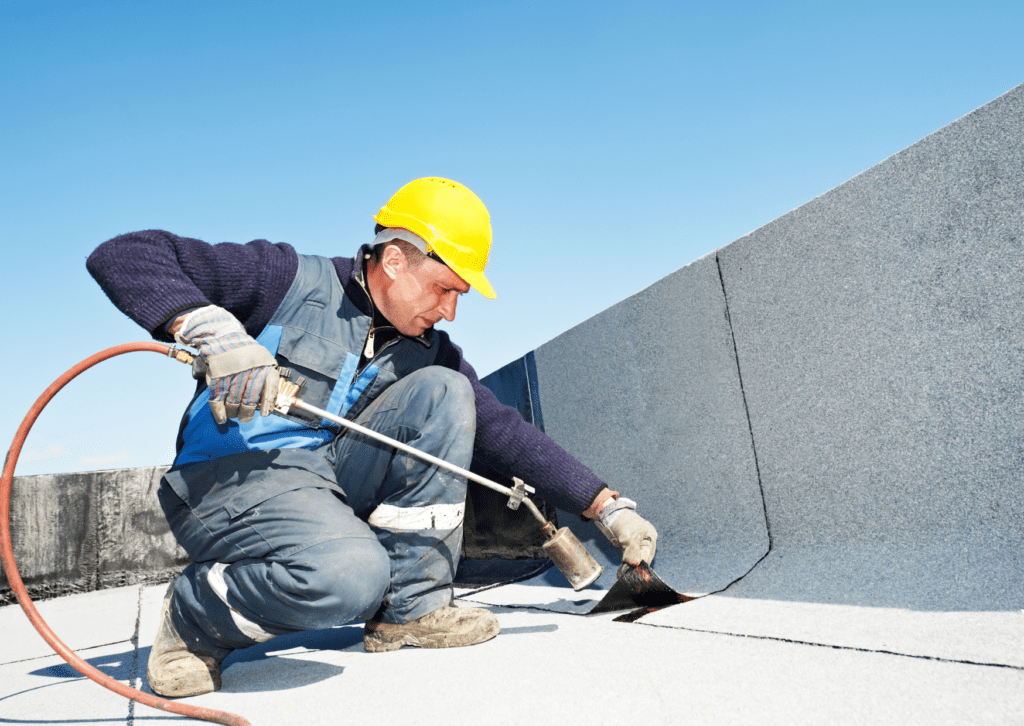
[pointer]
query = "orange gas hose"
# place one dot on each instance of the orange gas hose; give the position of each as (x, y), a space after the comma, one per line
(14, 577)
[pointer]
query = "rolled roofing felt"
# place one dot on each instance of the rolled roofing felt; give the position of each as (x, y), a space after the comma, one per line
(639, 588)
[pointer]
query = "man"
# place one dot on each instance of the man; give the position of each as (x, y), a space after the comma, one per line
(293, 523)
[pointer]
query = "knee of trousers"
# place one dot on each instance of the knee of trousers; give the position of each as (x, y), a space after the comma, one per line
(447, 398)
(334, 582)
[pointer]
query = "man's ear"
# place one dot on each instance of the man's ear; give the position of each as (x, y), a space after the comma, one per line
(392, 261)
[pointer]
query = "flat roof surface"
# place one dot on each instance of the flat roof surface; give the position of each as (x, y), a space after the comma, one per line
(824, 422)
(546, 666)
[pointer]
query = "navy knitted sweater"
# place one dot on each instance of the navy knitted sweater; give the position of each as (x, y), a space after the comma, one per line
(154, 276)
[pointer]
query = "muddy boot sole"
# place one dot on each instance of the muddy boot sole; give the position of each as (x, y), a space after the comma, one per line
(449, 627)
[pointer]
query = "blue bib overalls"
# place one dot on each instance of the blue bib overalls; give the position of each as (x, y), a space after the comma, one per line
(295, 525)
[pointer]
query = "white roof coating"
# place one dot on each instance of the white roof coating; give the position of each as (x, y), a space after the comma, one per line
(545, 667)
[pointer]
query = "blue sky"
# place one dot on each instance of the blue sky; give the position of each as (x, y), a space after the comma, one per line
(612, 142)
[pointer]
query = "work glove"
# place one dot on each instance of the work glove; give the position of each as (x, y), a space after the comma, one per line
(240, 373)
(628, 531)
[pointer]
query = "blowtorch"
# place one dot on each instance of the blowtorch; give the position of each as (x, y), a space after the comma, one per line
(563, 547)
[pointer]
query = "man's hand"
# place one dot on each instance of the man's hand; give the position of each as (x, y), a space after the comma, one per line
(241, 374)
(628, 531)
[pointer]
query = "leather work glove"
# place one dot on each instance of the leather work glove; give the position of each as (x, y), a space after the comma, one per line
(628, 531)
(241, 374)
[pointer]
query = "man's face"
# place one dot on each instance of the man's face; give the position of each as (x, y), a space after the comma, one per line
(421, 296)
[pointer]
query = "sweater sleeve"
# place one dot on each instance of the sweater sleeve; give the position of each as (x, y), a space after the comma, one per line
(153, 276)
(509, 445)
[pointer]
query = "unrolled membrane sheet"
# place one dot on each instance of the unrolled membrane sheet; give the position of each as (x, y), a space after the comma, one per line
(647, 395)
(878, 352)
(879, 333)
(956, 601)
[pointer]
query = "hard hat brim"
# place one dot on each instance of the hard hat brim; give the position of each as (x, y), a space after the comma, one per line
(475, 279)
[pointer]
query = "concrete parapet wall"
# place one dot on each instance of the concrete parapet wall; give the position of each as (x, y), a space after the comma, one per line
(89, 531)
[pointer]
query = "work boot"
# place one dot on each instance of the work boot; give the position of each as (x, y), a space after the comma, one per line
(448, 627)
(175, 670)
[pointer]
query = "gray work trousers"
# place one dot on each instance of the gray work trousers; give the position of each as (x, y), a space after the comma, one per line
(291, 539)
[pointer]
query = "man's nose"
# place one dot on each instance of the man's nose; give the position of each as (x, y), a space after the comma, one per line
(447, 306)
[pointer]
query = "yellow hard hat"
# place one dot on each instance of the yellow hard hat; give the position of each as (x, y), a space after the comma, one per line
(451, 219)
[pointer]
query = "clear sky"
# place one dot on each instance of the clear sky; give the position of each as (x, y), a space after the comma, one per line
(613, 143)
